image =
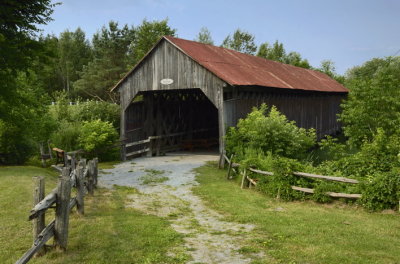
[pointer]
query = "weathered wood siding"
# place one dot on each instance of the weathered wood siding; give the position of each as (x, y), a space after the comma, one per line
(168, 62)
(308, 109)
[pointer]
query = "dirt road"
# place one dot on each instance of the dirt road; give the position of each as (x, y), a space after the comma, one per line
(164, 185)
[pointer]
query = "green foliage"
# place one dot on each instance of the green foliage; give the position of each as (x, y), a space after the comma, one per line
(373, 101)
(74, 52)
(146, 36)
(241, 41)
(379, 155)
(279, 185)
(110, 48)
(95, 136)
(277, 52)
(204, 36)
(383, 191)
(269, 133)
(66, 135)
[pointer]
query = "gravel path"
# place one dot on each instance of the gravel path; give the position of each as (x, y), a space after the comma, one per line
(164, 185)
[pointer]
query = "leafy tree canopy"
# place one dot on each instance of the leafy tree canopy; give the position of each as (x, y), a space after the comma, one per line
(204, 36)
(277, 52)
(241, 41)
(373, 101)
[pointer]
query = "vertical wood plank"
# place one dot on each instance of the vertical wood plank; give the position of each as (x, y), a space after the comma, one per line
(95, 171)
(38, 195)
(90, 176)
(228, 176)
(80, 190)
(244, 179)
(62, 210)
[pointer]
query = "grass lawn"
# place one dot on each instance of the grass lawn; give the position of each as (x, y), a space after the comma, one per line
(303, 232)
(108, 233)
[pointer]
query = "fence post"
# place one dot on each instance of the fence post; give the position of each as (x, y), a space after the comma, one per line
(80, 189)
(244, 179)
(228, 176)
(123, 152)
(62, 210)
(96, 171)
(90, 176)
(38, 195)
(221, 163)
(150, 152)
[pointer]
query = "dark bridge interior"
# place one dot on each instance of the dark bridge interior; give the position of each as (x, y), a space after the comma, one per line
(183, 119)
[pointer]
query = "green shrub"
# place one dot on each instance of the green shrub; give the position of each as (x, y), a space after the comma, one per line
(66, 136)
(97, 136)
(382, 191)
(269, 133)
(379, 155)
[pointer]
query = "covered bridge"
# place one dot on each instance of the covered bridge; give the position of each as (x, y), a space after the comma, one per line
(184, 93)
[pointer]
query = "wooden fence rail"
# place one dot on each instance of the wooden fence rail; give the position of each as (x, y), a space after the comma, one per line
(154, 144)
(79, 175)
(246, 180)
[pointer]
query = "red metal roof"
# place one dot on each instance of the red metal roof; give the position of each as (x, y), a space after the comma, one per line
(237, 68)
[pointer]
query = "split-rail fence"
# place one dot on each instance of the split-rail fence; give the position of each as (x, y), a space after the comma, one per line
(81, 175)
(249, 182)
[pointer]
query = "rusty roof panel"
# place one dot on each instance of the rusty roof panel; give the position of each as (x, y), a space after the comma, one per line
(242, 69)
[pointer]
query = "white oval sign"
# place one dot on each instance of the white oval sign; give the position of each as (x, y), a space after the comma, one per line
(167, 81)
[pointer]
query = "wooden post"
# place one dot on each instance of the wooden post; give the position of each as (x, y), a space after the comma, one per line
(244, 179)
(80, 189)
(38, 195)
(150, 152)
(96, 171)
(221, 163)
(62, 210)
(228, 176)
(73, 161)
(41, 155)
(90, 177)
(123, 152)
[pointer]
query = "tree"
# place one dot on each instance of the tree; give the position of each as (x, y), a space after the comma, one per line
(241, 41)
(115, 51)
(146, 36)
(277, 52)
(204, 36)
(328, 67)
(374, 100)
(110, 48)
(21, 99)
(74, 52)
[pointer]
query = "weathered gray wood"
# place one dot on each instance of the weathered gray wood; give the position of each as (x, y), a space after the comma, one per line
(301, 189)
(262, 172)
(96, 171)
(331, 194)
(62, 210)
(38, 195)
(90, 181)
(221, 163)
(328, 178)
(251, 181)
(72, 203)
(42, 238)
(80, 189)
(228, 175)
(57, 168)
(344, 195)
(138, 142)
(44, 204)
(244, 178)
(138, 152)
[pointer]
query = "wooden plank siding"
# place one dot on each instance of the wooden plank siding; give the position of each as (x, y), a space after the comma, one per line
(167, 61)
(308, 109)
